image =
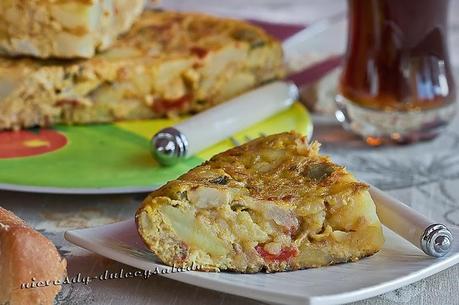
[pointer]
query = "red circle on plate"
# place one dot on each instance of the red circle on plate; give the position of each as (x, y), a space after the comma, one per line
(25, 143)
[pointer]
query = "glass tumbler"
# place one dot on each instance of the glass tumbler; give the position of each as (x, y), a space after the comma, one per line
(396, 84)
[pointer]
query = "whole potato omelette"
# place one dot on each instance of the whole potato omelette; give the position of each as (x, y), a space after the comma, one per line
(272, 204)
(167, 64)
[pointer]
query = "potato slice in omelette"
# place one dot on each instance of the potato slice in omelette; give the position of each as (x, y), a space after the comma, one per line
(272, 204)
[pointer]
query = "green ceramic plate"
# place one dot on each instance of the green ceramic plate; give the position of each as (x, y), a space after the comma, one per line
(109, 158)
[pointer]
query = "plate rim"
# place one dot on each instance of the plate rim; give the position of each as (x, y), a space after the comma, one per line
(193, 278)
(76, 191)
(309, 132)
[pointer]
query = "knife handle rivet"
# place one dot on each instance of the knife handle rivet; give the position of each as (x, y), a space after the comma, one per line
(436, 240)
(169, 146)
(442, 243)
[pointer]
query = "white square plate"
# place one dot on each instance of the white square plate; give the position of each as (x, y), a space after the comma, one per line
(399, 263)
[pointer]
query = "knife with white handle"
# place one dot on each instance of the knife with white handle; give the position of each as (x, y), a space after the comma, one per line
(432, 238)
(170, 145)
(303, 49)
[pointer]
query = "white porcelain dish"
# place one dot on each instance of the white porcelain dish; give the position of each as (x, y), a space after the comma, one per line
(398, 264)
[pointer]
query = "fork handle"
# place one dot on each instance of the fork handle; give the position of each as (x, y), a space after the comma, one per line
(218, 123)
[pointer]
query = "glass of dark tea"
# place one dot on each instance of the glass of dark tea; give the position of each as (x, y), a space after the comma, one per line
(396, 84)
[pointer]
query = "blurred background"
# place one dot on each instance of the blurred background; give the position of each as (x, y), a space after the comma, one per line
(295, 11)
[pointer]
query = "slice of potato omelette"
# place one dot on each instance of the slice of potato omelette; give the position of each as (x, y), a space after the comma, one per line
(272, 204)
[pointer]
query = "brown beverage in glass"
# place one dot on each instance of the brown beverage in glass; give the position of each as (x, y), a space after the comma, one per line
(396, 82)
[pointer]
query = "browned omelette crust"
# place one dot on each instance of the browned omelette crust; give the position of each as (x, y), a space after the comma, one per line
(169, 63)
(312, 211)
